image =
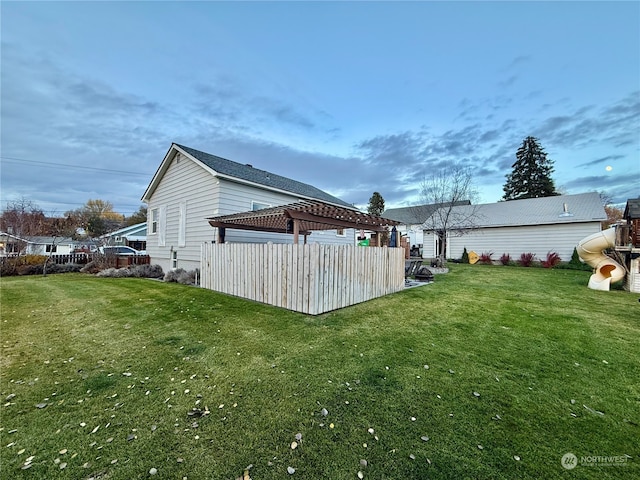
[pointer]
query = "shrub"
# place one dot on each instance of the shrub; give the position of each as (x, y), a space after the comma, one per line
(180, 275)
(552, 260)
(138, 271)
(526, 259)
(28, 265)
(485, 258)
(505, 259)
(7, 267)
(33, 259)
(63, 268)
(147, 271)
(575, 263)
(465, 256)
(99, 262)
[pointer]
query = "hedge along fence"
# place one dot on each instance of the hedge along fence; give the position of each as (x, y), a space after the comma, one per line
(311, 279)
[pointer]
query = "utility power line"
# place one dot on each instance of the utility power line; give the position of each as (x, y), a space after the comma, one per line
(67, 165)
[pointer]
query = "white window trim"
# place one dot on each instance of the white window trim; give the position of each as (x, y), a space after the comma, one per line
(153, 227)
(182, 225)
(162, 225)
(261, 205)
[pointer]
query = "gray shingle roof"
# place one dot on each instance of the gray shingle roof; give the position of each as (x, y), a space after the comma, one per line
(583, 207)
(415, 215)
(261, 177)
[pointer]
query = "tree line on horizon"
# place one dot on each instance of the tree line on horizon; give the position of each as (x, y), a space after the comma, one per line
(24, 218)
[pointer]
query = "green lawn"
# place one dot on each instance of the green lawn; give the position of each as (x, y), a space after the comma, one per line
(99, 377)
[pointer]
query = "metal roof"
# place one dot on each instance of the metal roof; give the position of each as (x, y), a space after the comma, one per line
(312, 215)
(583, 207)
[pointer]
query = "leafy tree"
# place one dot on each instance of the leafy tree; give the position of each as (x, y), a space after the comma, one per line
(138, 217)
(97, 217)
(376, 204)
(531, 175)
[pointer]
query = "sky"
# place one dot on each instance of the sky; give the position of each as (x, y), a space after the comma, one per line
(351, 97)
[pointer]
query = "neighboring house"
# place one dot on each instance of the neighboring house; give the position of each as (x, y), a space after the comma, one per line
(191, 186)
(411, 219)
(533, 225)
(134, 236)
(36, 245)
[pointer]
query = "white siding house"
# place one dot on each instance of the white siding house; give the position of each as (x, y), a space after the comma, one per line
(191, 186)
(34, 245)
(533, 225)
(411, 220)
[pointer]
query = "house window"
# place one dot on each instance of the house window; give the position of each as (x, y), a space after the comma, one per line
(259, 206)
(174, 259)
(154, 220)
(340, 232)
(51, 248)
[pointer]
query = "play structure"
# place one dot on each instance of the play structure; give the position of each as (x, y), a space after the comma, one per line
(605, 269)
(614, 253)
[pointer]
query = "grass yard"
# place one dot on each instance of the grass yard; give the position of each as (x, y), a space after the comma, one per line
(491, 372)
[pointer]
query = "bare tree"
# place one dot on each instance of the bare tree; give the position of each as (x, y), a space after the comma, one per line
(22, 218)
(614, 213)
(447, 208)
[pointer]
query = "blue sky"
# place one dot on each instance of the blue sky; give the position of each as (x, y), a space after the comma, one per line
(351, 97)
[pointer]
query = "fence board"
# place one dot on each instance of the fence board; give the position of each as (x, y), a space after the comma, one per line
(311, 279)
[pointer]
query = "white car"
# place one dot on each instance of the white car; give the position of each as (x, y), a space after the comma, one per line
(121, 250)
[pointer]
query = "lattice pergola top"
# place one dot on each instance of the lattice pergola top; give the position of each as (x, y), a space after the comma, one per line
(307, 216)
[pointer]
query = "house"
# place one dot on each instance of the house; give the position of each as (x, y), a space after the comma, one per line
(411, 220)
(34, 245)
(134, 236)
(533, 225)
(191, 186)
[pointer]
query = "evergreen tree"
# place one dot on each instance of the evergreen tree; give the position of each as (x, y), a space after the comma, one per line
(376, 204)
(531, 175)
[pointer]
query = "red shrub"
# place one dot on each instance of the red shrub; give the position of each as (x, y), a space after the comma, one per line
(505, 259)
(485, 258)
(527, 259)
(552, 260)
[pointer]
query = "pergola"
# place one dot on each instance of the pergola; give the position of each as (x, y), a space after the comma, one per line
(300, 218)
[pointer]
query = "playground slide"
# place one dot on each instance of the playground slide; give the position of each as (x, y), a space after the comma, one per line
(606, 270)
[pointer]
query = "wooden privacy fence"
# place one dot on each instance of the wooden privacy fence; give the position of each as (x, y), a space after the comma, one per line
(311, 279)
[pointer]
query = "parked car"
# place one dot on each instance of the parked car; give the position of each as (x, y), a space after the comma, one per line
(121, 250)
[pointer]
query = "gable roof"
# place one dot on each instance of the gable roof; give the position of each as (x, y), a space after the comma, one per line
(39, 239)
(632, 209)
(416, 214)
(136, 230)
(583, 207)
(243, 173)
